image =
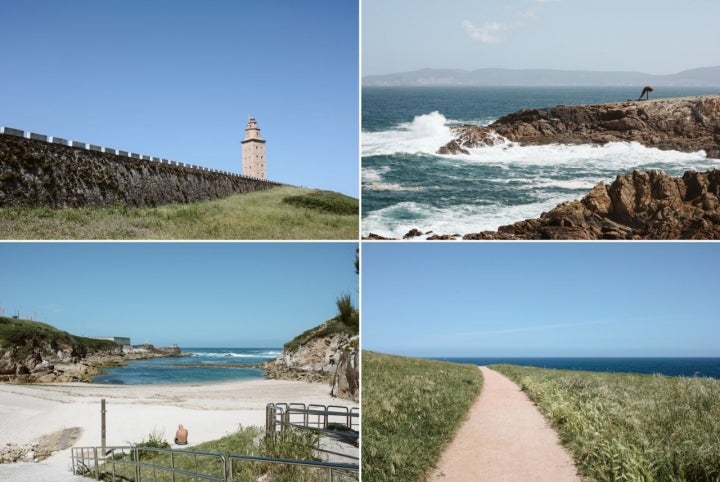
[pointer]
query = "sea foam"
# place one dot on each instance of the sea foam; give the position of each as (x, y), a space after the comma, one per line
(424, 135)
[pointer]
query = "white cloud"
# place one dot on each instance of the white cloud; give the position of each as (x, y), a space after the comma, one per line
(493, 32)
(487, 33)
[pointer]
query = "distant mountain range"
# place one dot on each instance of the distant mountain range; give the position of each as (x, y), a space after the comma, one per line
(701, 77)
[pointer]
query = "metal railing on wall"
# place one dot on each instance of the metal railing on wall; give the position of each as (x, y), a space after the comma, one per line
(11, 131)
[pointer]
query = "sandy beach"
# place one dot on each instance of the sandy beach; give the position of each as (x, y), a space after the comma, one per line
(208, 411)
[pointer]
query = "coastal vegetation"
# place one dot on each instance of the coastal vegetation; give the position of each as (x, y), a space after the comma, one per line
(290, 444)
(309, 214)
(628, 426)
(411, 410)
(25, 337)
(327, 353)
(324, 201)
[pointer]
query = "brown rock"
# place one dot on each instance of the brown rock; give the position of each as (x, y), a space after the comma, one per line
(639, 205)
(685, 124)
(413, 233)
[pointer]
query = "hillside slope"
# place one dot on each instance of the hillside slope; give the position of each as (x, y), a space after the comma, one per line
(34, 351)
(327, 353)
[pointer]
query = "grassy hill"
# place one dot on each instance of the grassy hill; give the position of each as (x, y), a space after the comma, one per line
(330, 327)
(279, 213)
(23, 337)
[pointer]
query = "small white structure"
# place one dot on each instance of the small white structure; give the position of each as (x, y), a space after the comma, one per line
(253, 152)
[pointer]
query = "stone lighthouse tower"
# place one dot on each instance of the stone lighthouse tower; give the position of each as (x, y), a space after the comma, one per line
(253, 152)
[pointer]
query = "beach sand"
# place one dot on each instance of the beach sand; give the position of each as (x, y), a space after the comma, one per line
(208, 411)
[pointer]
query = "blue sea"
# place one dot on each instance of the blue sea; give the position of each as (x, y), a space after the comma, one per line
(406, 185)
(687, 367)
(199, 365)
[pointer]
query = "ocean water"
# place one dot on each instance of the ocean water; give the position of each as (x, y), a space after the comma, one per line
(688, 367)
(406, 185)
(200, 365)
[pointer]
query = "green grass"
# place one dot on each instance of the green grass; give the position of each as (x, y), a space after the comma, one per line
(411, 409)
(293, 444)
(330, 327)
(256, 215)
(26, 336)
(630, 427)
(325, 201)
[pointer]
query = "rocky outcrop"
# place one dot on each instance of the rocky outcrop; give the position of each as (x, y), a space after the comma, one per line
(35, 173)
(315, 360)
(346, 382)
(638, 205)
(327, 353)
(37, 352)
(685, 124)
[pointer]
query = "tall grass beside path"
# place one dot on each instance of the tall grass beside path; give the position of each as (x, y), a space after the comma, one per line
(411, 410)
(630, 427)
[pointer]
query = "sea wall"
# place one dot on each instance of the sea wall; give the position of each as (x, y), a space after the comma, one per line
(39, 170)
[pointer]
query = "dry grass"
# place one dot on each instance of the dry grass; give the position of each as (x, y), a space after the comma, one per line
(411, 409)
(630, 427)
(257, 215)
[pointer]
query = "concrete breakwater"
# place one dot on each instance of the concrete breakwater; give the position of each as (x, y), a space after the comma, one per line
(38, 170)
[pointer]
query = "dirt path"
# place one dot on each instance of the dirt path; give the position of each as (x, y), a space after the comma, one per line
(504, 439)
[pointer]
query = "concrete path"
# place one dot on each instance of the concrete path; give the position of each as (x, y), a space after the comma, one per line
(504, 439)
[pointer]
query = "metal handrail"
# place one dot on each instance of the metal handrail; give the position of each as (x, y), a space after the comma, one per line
(80, 460)
(279, 414)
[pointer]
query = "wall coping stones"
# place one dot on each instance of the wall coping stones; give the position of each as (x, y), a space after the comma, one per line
(11, 131)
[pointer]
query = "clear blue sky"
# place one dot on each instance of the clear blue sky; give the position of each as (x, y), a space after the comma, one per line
(192, 294)
(651, 36)
(178, 79)
(541, 299)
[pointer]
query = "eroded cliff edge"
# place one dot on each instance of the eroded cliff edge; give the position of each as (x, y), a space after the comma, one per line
(685, 124)
(328, 353)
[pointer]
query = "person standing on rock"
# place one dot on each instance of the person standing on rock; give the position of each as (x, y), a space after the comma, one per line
(646, 92)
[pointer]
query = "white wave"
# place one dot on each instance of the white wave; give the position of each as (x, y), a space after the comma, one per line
(575, 184)
(424, 135)
(371, 175)
(611, 156)
(372, 180)
(395, 221)
(263, 354)
(382, 186)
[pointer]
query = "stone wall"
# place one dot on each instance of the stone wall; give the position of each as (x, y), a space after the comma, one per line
(42, 171)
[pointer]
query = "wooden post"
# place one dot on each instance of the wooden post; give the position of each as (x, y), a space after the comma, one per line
(102, 425)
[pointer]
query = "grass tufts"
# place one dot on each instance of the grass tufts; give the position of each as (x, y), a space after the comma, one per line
(255, 215)
(411, 410)
(325, 201)
(630, 427)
